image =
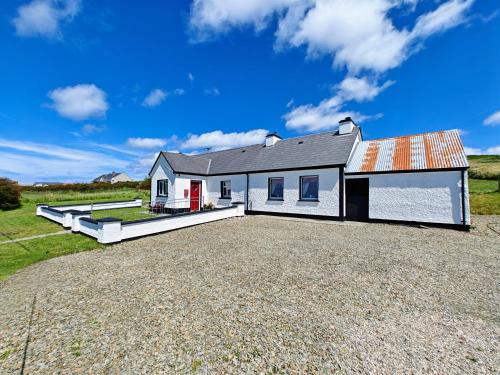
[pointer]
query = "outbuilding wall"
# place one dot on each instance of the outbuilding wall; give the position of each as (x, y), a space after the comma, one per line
(433, 197)
(328, 196)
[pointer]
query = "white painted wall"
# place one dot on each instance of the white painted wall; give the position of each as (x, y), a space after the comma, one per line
(183, 182)
(100, 206)
(328, 196)
(422, 196)
(177, 183)
(43, 211)
(162, 171)
(90, 229)
(122, 177)
(131, 230)
(238, 187)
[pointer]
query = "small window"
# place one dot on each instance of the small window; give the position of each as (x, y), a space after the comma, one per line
(275, 188)
(162, 188)
(309, 188)
(225, 189)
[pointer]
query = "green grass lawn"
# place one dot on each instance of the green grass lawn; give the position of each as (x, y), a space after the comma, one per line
(23, 222)
(484, 197)
(17, 255)
(126, 214)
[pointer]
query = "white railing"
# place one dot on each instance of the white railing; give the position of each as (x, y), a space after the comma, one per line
(175, 206)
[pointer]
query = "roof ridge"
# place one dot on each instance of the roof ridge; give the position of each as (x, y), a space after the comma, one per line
(230, 149)
(412, 135)
(283, 140)
(200, 156)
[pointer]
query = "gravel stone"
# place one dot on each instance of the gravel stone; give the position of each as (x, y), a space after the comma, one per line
(261, 294)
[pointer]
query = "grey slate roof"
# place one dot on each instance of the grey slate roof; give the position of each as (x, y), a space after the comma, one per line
(106, 177)
(317, 150)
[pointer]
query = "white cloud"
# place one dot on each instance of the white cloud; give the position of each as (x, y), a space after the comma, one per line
(213, 91)
(43, 17)
(146, 142)
(493, 119)
(144, 163)
(360, 89)
(495, 150)
(218, 140)
(327, 114)
(157, 96)
(29, 161)
(191, 77)
(118, 149)
(358, 34)
(446, 16)
(209, 17)
(79, 102)
(154, 98)
(89, 129)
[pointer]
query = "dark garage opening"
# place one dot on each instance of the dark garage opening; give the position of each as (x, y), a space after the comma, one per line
(357, 198)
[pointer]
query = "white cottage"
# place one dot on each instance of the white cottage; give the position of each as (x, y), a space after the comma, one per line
(333, 175)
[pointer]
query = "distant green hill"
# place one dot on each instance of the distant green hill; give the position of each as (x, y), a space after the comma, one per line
(484, 167)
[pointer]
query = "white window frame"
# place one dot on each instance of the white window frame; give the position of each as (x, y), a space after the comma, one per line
(162, 188)
(225, 189)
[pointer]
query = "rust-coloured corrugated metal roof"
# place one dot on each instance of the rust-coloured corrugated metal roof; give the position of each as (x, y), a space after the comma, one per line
(436, 150)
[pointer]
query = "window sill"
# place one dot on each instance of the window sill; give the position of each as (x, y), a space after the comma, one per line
(224, 197)
(162, 196)
(308, 200)
(275, 200)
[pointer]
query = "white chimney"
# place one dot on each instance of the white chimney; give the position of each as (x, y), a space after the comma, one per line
(346, 126)
(272, 139)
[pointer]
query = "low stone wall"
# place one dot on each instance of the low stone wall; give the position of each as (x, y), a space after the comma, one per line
(111, 230)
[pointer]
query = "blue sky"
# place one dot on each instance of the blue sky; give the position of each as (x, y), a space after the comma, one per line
(91, 86)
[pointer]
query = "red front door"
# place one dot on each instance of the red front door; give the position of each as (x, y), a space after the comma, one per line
(195, 195)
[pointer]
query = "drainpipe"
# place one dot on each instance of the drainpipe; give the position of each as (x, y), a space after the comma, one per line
(464, 221)
(246, 195)
(341, 193)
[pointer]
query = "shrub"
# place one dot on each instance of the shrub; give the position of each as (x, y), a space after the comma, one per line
(10, 193)
(144, 184)
(208, 206)
(82, 187)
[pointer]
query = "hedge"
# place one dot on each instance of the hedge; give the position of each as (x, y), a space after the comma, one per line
(81, 187)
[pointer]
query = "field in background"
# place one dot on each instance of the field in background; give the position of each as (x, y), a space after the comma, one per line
(484, 175)
(485, 167)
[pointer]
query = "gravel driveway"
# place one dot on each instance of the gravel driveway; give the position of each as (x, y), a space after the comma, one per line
(262, 294)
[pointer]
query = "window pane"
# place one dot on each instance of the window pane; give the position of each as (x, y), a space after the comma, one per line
(162, 187)
(226, 189)
(309, 187)
(276, 188)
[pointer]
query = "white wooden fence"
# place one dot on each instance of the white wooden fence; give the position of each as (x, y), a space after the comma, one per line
(110, 230)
